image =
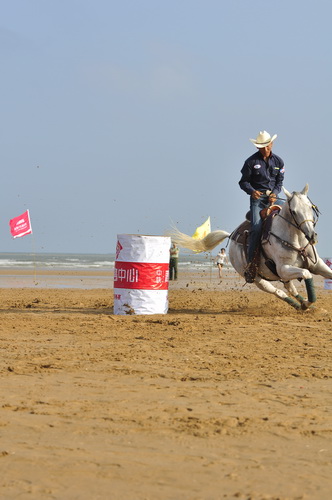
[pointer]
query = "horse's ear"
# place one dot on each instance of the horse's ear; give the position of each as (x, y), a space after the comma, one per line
(287, 193)
(305, 189)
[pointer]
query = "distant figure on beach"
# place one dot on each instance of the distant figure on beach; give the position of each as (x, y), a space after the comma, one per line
(262, 178)
(173, 262)
(221, 259)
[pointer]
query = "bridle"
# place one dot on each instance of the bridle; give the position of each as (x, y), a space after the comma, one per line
(295, 223)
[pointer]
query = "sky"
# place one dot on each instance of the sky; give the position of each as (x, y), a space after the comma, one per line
(131, 116)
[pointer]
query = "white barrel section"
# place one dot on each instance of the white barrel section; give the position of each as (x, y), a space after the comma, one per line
(141, 274)
(328, 282)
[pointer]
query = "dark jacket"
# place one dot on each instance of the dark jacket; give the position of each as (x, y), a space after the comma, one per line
(260, 175)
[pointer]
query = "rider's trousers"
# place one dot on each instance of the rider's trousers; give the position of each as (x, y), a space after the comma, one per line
(256, 223)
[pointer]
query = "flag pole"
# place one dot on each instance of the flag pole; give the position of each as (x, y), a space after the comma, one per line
(34, 259)
(210, 267)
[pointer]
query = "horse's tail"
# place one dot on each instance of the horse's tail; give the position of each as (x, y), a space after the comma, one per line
(204, 245)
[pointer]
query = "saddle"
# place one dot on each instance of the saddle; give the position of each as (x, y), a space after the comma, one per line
(241, 234)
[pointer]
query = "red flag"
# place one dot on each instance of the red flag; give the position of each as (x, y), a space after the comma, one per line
(21, 225)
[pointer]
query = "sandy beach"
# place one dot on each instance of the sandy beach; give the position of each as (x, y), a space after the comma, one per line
(228, 396)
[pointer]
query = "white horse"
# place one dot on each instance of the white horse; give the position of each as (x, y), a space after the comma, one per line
(287, 252)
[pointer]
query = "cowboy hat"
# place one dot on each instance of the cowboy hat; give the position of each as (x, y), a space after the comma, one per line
(263, 139)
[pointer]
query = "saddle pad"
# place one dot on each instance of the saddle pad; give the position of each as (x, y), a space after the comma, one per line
(240, 234)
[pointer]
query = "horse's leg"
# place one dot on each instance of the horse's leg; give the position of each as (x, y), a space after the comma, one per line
(321, 269)
(288, 273)
(267, 286)
(292, 290)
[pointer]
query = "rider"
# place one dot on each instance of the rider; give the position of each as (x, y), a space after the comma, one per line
(262, 178)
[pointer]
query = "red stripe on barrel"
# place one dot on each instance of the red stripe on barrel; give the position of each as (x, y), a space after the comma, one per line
(141, 275)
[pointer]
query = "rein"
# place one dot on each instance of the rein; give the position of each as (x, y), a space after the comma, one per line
(302, 251)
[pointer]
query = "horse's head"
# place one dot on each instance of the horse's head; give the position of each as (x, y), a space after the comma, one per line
(304, 213)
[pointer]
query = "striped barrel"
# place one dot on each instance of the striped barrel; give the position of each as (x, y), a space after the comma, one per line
(327, 281)
(141, 274)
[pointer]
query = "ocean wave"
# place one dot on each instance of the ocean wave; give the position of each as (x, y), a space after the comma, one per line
(85, 262)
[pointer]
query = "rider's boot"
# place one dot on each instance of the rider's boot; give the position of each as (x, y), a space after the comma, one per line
(252, 267)
(250, 272)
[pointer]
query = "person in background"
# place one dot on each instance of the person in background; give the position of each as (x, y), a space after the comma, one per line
(173, 262)
(221, 259)
(262, 179)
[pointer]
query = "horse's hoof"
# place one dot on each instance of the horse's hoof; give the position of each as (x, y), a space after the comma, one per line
(305, 305)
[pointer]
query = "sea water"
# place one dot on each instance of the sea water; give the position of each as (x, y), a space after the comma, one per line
(89, 270)
(86, 262)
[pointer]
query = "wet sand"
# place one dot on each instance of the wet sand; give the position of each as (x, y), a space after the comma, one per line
(228, 396)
